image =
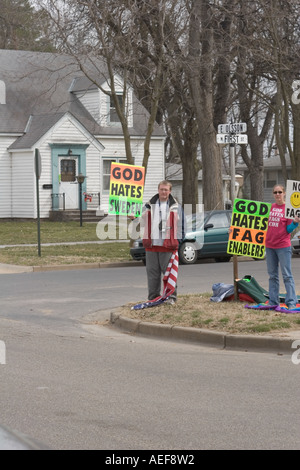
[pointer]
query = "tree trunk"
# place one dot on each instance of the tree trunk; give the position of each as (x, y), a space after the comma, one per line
(296, 150)
(202, 86)
(190, 169)
(212, 185)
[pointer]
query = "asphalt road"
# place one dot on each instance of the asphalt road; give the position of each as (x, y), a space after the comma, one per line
(71, 384)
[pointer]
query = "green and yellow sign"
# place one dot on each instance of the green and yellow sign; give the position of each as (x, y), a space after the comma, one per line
(126, 189)
(249, 224)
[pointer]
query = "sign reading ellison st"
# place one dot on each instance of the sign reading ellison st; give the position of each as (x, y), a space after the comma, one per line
(234, 128)
(126, 189)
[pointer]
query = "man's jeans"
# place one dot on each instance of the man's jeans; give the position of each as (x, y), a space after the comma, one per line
(156, 265)
(283, 257)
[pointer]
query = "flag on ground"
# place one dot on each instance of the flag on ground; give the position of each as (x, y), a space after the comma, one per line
(169, 283)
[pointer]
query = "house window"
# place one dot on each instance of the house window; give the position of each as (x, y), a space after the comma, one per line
(113, 115)
(106, 171)
(68, 170)
(270, 178)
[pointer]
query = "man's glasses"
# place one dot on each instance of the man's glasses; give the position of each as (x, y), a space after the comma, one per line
(277, 192)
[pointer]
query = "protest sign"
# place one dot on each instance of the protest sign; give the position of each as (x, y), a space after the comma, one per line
(126, 189)
(248, 229)
(292, 199)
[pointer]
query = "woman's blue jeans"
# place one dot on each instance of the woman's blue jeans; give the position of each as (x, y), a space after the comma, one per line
(282, 256)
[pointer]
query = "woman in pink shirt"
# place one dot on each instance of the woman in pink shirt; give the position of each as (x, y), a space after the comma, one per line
(279, 251)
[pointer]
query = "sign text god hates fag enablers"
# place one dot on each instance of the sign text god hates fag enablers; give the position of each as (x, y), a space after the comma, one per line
(249, 225)
(126, 189)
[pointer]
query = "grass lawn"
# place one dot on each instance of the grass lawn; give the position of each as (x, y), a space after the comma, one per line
(15, 233)
(22, 233)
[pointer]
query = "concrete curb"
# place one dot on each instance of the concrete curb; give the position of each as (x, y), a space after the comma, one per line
(278, 345)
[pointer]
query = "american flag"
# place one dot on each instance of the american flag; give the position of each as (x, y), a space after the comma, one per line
(169, 282)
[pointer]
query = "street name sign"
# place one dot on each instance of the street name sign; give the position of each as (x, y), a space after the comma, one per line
(235, 128)
(232, 139)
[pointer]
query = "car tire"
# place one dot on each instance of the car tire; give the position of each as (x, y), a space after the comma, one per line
(188, 253)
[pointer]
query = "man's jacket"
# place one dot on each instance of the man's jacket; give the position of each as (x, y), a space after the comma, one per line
(171, 242)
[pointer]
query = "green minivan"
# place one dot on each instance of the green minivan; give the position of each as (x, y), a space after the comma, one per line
(206, 237)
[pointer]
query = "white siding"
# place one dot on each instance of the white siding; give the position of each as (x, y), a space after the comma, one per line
(23, 182)
(91, 101)
(67, 132)
(17, 173)
(93, 171)
(45, 178)
(5, 177)
(97, 103)
(104, 104)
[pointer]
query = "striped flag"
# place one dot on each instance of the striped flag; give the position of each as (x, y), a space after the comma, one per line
(169, 282)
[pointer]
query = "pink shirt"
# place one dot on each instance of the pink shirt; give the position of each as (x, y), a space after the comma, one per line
(277, 235)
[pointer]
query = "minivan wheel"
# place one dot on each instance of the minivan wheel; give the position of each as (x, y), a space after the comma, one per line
(187, 253)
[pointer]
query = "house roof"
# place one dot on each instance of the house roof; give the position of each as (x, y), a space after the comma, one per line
(174, 172)
(37, 127)
(272, 163)
(43, 85)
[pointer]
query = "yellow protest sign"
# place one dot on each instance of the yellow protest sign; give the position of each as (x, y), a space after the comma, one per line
(292, 199)
(249, 224)
(126, 189)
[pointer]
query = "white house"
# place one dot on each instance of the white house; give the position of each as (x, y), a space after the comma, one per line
(175, 175)
(46, 103)
(272, 176)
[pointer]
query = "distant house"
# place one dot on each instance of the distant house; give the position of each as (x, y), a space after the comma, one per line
(46, 103)
(175, 176)
(272, 176)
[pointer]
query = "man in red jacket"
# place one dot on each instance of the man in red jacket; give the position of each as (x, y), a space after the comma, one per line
(161, 218)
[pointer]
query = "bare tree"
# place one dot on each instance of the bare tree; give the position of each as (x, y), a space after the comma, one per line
(209, 77)
(284, 39)
(117, 32)
(22, 28)
(267, 54)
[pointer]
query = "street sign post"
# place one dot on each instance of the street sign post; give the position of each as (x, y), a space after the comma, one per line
(231, 134)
